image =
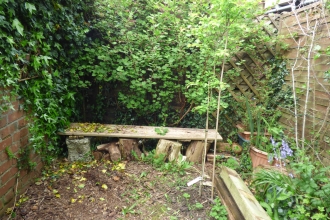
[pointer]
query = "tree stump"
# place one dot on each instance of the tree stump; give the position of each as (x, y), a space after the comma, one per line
(194, 151)
(170, 149)
(113, 150)
(126, 146)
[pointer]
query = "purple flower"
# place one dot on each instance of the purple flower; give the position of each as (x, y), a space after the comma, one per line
(273, 141)
(285, 147)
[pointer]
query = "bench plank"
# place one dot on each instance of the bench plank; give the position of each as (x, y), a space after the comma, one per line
(133, 131)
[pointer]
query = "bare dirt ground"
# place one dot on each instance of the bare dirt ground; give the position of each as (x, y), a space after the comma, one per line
(103, 190)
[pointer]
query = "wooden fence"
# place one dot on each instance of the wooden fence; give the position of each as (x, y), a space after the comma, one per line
(252, 66)
(305, 44)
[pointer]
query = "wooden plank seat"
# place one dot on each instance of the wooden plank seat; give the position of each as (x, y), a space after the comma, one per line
(140, 132)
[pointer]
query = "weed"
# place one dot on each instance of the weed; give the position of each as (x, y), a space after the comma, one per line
(198, 205)
(218, 211)
(186, 196)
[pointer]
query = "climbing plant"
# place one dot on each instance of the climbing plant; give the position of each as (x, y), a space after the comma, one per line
(39, 40)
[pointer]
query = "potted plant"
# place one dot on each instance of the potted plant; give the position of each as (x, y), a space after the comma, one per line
(252, 123)
(263, 133)
(270, 151)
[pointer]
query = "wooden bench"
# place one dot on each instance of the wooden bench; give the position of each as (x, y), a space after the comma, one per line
(128, 134)
(140, 132)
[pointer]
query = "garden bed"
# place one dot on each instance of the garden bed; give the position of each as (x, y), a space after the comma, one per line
(102, 190)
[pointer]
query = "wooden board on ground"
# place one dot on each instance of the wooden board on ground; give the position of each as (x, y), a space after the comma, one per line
(133, 131)
(237, 197)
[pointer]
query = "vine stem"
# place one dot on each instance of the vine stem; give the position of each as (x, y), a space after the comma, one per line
(217, 121)
(12, 210)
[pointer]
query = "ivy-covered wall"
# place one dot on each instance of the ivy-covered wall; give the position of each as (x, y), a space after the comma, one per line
(14, 137)
(38, 42)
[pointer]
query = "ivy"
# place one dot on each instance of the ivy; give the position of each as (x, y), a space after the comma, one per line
(38, 42)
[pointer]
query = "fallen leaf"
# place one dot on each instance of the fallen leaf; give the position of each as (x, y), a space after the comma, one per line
(55, 191)
(119, 167)
(58, 195)
(81, 186)
(103, 171)
(38, 183)
(82, 179)
(102, 199)
(104, 186)
(73, 200)
(116, 178)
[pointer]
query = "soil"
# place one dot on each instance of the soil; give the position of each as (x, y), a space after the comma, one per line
(103, 190)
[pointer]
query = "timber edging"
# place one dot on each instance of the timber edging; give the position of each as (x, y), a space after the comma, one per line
(236, 196)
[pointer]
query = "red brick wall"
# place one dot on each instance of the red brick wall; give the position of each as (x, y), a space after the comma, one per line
(14, 135)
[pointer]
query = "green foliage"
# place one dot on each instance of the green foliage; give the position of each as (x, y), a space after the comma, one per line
(23, 158)
(218, 211)
(152, 51)
(303, 194)
(39, 40)
(158, 161)
(10, 154)
(161, 131)
(231, 163)
(186, 195)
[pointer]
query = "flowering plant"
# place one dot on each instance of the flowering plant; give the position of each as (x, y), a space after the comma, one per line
(281, 152)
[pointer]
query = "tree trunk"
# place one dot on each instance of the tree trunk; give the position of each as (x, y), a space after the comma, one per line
(194, 152)
(171, 149)
(127, 146)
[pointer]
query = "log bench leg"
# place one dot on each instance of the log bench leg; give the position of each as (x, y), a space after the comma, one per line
(194, 151)
(78, 149)
(171, 149)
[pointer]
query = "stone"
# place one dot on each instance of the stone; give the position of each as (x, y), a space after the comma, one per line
(79, 149)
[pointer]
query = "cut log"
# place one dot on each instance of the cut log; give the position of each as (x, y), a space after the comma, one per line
(171, 149)
(112, 149)
(127, 146)
(114, 152)
(103, 147)
(194, 151)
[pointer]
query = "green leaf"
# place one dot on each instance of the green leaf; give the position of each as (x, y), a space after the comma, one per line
(19, 27)
(30, 7)
(283, 196)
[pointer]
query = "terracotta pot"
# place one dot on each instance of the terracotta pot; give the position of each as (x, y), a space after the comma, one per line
(258, 157)
(247, 134)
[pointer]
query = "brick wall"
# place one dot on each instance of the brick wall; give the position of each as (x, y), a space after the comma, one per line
(14, 135)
